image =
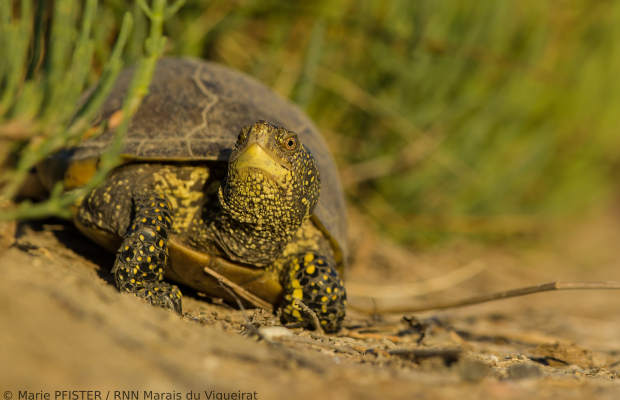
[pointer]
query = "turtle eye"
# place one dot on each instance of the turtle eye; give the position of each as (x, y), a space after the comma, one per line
(242, 135)
(290, 143)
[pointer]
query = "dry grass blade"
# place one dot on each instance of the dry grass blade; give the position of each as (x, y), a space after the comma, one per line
(241, 292)
(498, 296)
(453, 278)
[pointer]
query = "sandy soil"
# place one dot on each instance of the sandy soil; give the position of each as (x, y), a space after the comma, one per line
(64, 327)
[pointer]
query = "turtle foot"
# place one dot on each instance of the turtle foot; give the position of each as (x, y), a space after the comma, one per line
(314, 280)
(143, 255)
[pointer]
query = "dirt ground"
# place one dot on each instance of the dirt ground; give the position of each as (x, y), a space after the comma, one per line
(64, 327)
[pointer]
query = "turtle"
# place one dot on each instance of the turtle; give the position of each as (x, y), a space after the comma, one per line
(218, 171)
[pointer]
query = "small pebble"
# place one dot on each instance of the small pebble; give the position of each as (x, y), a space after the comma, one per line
(272, 332)
(472, 370)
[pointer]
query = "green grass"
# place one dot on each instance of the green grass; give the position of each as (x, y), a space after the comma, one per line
(484, 117)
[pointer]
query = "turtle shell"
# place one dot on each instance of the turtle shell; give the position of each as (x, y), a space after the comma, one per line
(195, 110)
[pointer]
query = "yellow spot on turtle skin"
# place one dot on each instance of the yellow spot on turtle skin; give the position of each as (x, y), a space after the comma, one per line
(341, 282)
(135, 270)
(179, 295)
(321, 262)
(324, 299)
(126, 247)
(310, 269)
(296, 261)
(297, 267)
(133, 281)
(334, 297)
(139, 258)
(296, 314)
(335, 290)
(298, 294)
(295, 283)
(328, 290)
(314, 291)
(143, 219)
(323, 322)
(309, 257)
(325, 277)
(144, 274)
(157, 210)
(158, 229)
(127, 259)
(161, 243)
(137, 208)
(152, 248)
(141, 237)
(288, 297)
(133, 226)
(287, 310)
(152, 204)
(161, 204)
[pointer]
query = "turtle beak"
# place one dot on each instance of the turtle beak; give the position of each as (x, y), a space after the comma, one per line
(255, 156)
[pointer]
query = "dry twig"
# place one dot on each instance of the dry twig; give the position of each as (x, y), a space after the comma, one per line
(241, 292)
(497, 296)
(314, 318)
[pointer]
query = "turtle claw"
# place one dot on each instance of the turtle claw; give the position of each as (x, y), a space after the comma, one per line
(174, 304)
(158, 294)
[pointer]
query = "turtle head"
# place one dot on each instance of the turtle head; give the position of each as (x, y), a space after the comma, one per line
(270, 167)
(272, 186)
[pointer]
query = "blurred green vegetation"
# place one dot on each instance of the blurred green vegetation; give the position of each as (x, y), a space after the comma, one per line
(483, 117)
(50, 48)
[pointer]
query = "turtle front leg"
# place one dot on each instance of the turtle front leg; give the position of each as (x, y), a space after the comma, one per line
(313, 279)
(141, 260)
